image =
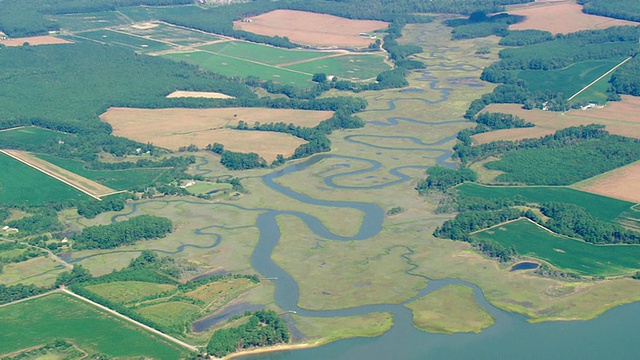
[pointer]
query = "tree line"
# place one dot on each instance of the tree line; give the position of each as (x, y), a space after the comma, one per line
(478, 24)
(123, 232)
(619, 9)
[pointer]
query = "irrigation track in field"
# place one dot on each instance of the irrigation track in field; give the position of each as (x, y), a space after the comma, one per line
(600, 78)
(115, 313)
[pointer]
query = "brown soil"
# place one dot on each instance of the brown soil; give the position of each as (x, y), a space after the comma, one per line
(199, 94)
(563, 18)
(619, 118)
(35, 40)
(311, 28)
(622, 183)
(174, 128)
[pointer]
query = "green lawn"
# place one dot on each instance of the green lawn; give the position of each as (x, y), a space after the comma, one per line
(564, 253)
(174, 34)
(355, 67)
(262, 53)
(115, 179)
(225, 65)
(570, 80)
(126, 291)
(116, 38)
(60, 316)
(605, 208)
(30, 134)
(87, 21)
(23, 185)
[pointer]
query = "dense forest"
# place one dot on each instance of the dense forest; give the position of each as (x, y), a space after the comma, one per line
(442, 178)
(626, 79)
(478, 24)
(567, 156)
(123, 232)
(263, 328)
(619, 9)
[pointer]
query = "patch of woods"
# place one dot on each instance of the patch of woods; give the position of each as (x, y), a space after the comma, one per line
(539, 50)
(142, 227)
(262, 328)
(619, 9)
(479, 24)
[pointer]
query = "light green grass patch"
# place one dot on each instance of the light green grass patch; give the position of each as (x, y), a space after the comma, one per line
(121, 39)
(21, 184)
(451, 309)
(55, 316)
(30, 134)
(325, 330)
(170, 314)
(126, 291)
(204, 187)
(86, 21)
(565, 253)
(173, 34)
(115, 179)
(569, 80)
(355, 67)
(605, 208)
(229, 66)
(262, 53)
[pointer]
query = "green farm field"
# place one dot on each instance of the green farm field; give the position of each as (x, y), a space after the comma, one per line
(596, 93)
(58, 316)
(172, 34)
(115, 179)
(605, 208)
(355, 67)
(21, 184)
(30, 134)
(262, 53)
(565, 253)
(230, 66)
(130, 41)
(570, 80)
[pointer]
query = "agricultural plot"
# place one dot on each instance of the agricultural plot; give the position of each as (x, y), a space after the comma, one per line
(88, 21)
(42, 320)
(565, 253)
(121, 39)
(30, 134)
(231, 66)
(355, 67)
(21, 184)
(605, 208)
(168, 33)
(115, 179)
(34, 41)
(570, 80)
(173, 307)
(263, 53)
(622, 183)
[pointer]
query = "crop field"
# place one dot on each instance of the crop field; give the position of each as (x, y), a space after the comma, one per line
(22, 184)
(620, 118)
(122, 39)
(565, 253)
(198, 94)
(563, 17)
(42, 320)
(605, 208)
(114, 179)
(83, 184)
(311, 28)
(262, 53)
(34, 41)
(88, 21)
(570, 80)
(355, 67)
(622, 183)
(168, 33)
(173, 128)
(31, 134)
(156, 301)
(449, 310)
(230, 66)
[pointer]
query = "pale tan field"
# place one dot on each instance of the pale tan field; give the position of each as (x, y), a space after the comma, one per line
(619, 118)
(35, 40)
(622, 183)
(563, 18)
(83, 184)
(310, 28)
(173, 128)
(199, 94)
